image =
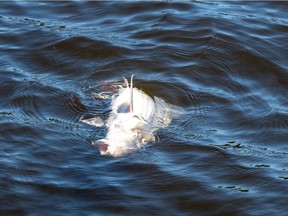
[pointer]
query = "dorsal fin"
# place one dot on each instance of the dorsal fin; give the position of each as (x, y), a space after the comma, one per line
(131, 94)
(127, 106)
(126, 82)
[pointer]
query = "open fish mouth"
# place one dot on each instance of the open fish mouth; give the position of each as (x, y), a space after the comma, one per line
(102, 145)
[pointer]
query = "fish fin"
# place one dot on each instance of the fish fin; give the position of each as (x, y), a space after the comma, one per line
(126, 82)
(144, 137)
(101, 96)
(130, 105)
(95, 121)
(131, 94)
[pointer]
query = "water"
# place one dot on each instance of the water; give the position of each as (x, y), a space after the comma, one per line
(224, 63)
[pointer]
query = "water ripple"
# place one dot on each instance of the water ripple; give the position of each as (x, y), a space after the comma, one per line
(223, 63)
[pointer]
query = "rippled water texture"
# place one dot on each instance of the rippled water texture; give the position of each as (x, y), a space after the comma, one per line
(224, 63)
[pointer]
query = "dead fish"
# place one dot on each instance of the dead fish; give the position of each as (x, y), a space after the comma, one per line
(132, 122)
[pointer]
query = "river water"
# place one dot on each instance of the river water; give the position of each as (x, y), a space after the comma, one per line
(224, 63)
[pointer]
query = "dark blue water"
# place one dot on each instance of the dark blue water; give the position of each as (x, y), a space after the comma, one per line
(224, 63)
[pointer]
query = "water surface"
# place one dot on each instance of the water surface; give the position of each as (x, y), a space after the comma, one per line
(224, 63)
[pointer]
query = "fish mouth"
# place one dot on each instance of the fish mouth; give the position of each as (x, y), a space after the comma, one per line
(102, 146)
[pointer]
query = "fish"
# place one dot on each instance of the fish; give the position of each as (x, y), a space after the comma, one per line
(133, 120)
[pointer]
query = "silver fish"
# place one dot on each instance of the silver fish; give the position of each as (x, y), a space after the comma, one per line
(132, 122)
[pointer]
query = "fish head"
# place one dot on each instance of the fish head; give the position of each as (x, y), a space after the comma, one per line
(125, 133)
